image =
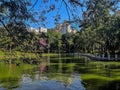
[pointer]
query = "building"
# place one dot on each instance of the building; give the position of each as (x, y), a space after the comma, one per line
(43, 30)
(37, 31)
(73, 31)
(31, 29)
(117, 13)
(64, 28)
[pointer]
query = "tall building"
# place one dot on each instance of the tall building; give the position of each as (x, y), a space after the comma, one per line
(64, 28)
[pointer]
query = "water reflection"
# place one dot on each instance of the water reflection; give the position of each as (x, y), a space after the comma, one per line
(60, 73)
(41, 82)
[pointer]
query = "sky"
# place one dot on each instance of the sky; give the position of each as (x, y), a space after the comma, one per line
(50, 16)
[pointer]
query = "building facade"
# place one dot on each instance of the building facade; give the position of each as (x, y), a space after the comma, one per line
(37, 31)
(43, 30)
(65, 27)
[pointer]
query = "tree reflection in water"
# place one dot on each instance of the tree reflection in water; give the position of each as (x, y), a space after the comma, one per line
(60, 73)
(44, 83)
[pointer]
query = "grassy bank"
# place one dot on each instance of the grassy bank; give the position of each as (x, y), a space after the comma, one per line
(1, 54)
(50, 54)
(17, 54)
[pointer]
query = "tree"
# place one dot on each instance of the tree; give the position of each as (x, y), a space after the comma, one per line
(99, 27)
(13, 12)
(13, 15)
(68, 43)
(55, 40)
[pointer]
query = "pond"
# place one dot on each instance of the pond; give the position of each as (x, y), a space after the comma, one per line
(60, 72)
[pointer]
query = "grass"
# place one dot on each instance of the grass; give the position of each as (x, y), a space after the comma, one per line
(1, 54)
(50, 54)
(94, 76)
(106, 63)
(100, 77)
(17, 54)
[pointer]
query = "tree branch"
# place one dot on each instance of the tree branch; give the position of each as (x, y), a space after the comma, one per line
(77, 2)
(33, 5)
(67, 9)
(5, 26)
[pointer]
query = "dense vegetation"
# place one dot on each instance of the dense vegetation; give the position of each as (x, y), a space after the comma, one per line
(99, 29)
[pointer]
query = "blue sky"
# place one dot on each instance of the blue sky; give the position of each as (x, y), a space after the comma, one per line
(50, 16)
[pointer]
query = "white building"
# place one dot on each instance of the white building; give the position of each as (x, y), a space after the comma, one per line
(74, 31)
(37, 31)
(65, 28)
(31, 29)
(42, 29)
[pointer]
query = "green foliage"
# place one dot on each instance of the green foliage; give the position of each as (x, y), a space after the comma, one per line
(99, 31)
